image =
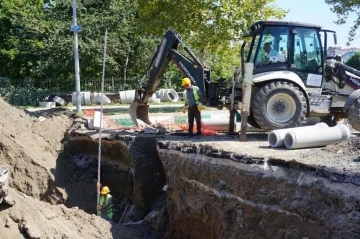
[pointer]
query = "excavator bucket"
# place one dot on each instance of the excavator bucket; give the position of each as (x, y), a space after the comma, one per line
(139, 112)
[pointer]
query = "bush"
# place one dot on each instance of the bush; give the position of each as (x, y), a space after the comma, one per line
(354, 61)
(25, 95)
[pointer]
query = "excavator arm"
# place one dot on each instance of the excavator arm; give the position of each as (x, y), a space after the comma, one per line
(190, 66)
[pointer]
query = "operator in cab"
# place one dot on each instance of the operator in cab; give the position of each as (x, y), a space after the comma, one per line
(193, 104)
(265, 53)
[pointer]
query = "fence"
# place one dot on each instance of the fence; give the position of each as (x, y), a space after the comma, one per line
(111, 85)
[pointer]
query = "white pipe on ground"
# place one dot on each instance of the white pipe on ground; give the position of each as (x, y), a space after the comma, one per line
(276, 137)
(316, 137)
(217, 124)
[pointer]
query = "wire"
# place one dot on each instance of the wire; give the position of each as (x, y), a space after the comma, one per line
(101, 116)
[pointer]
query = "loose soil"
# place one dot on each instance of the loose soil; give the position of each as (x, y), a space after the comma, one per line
(30, 144)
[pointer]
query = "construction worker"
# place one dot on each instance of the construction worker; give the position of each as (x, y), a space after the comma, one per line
(193, 105)
(105, 206)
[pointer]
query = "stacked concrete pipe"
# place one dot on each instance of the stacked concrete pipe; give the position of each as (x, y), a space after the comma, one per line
(276, 137)
(317, 137)
(167, 95)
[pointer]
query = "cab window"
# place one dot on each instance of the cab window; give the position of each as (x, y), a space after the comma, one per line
(254, 48)
(273, 46)
(307, 50)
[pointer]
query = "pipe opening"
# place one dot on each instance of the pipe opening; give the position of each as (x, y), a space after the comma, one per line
(289, 140)
(273, 139)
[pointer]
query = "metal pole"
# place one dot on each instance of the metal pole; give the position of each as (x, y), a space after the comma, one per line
(101, 116)
(235, 79)
(76, 58)
(246, 99)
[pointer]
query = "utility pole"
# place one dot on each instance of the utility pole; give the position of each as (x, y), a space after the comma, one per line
(75, 28)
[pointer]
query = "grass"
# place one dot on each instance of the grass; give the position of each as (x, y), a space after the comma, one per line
(79, 114)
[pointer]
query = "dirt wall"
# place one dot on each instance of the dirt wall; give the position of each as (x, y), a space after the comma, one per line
(245, 197)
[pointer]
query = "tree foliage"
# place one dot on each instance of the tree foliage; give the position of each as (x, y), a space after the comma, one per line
(206, 23)
(207, 26)
(36, 41)
(343, 9)
(354, 61)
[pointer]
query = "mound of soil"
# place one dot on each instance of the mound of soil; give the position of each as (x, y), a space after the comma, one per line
(30, 144)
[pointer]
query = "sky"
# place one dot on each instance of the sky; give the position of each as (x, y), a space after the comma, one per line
(318, 12)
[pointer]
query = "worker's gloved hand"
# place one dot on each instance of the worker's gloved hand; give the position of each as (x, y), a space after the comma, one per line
(200, 107)
(98, 208)
(98, 185)
(184, 109)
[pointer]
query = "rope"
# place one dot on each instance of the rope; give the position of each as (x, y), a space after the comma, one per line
(100, 129)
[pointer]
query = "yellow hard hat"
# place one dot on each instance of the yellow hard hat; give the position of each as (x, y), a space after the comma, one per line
(185, 81)
(105, 190)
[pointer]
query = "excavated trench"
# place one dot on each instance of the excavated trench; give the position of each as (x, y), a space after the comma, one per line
(209, 192)
(130, 167)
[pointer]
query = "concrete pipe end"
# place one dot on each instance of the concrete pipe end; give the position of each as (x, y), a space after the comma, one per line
(289, 140)
(172, 96)
(275, 140)
(345, 131)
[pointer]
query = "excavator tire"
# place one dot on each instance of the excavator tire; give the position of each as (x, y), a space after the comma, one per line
(252, 121)
(279, 105)
(354, 115)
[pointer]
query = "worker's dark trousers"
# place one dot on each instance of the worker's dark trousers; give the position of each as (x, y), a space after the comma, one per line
(193, 112)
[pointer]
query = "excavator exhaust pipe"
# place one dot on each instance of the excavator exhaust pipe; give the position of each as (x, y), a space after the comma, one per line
(139, 113)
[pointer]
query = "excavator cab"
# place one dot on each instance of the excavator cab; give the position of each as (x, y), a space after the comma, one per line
(294, 77)
(293, 46)
(189, 65)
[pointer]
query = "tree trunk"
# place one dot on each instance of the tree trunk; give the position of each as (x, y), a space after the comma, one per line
(126, 65)
(203, 55)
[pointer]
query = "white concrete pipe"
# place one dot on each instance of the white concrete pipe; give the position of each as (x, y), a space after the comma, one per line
(161, 94)
(172, 96)
(218, 124)
(316, 137)
(184, 95)
(276, 137)
(167, 95)
(85, 97)
(127, 96)
(102, 97)
(152, 98)
(47, 104)
(73, 98)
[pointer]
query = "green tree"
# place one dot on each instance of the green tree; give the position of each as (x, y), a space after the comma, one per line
(35, 39)
(207, 26)
(354, 61)
(343, 9)
(21, 37)
(94, 16)
(205, 23)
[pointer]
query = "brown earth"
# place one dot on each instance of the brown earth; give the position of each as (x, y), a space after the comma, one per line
(30, 147)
